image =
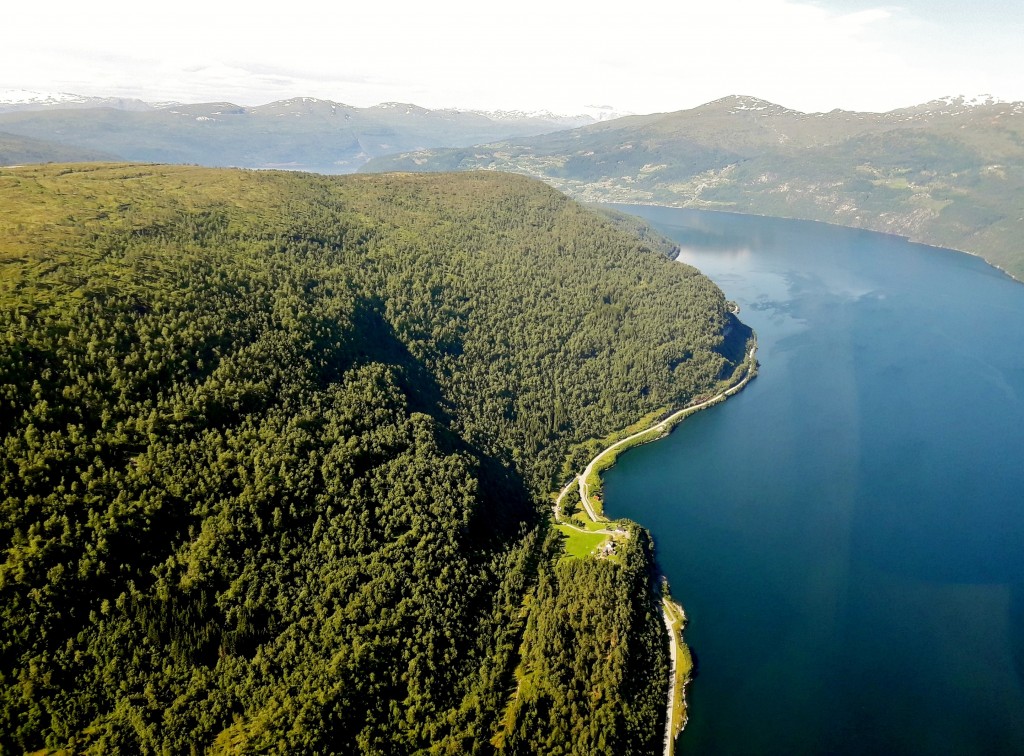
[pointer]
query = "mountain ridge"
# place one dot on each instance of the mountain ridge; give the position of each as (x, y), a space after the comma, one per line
(29, 100)
(948, 173)
(298, 133)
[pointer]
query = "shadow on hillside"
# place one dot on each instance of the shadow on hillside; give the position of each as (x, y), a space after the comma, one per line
(734, 345)
(506, 498)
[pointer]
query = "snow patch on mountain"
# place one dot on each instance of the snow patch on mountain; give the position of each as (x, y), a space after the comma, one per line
(582, 115)
(956, 105)
(27, 99)
(971, 101)
(571, 118)
(407, 108)
(604, 112)
(735, 104)
(30, 97)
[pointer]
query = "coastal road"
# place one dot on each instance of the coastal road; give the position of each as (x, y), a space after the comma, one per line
(581, 484)
(673, 651)
(663, 427)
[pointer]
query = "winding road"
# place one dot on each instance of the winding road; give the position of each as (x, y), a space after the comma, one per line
(662, 427)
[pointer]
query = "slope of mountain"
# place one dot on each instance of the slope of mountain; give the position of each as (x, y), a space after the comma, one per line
(302, 133)
(276, 453)
(15, 150)
(948, 173)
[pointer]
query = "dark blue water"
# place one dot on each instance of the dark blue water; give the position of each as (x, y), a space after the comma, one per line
(847, 534)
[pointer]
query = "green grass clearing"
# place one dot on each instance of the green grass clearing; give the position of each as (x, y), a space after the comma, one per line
(578, 544)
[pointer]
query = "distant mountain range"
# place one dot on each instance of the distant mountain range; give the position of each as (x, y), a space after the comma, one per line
(949, 172)
(24, 99)
(302, 133)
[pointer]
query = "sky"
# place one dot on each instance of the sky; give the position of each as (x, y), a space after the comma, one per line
(640, 56)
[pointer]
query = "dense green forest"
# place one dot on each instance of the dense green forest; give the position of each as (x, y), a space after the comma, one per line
(275, 456)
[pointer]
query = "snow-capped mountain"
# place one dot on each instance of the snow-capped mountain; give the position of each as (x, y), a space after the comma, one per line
(734, 104)
(969, 101)
(956, 107)
(30, 97)
(27, 99)
(576, 117)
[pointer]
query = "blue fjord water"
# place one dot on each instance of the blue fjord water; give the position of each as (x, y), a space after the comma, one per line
(847, 533)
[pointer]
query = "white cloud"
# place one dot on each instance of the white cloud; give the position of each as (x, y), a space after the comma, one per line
(642, 56)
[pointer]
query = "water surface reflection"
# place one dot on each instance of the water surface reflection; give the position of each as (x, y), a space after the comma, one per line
(846, 534)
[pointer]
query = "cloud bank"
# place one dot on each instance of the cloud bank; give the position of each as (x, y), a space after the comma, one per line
(644, 56)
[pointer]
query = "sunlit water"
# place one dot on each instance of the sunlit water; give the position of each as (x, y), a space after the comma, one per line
(847, 534)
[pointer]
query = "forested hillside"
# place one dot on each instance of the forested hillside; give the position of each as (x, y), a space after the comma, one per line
(275, 452)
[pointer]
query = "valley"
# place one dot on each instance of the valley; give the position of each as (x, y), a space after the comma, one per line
(300, 133)
(398, 369)
(947, 173)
